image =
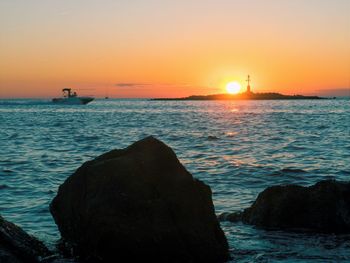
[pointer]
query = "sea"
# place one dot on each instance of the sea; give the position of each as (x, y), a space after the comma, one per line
(238, 148)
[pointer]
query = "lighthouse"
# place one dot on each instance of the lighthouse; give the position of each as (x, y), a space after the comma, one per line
(248, 87)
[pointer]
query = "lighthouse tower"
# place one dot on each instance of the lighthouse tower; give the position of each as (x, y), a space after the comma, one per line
(248, 87)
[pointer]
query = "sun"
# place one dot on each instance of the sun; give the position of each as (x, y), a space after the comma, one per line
(233, 87)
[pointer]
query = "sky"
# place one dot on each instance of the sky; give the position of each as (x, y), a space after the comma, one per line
(173, 48)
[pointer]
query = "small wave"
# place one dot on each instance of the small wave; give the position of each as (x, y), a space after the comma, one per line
(212, 138)
(288, 171)
(58, 124)
(3, 186)
(24, 102)
(292, 170)
(294, 147)
(275, 139)
(43, 210)
(86, 138)
(231, 134)
(13, 136)
(343, 172)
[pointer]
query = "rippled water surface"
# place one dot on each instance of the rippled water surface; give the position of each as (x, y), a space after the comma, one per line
(238, 148)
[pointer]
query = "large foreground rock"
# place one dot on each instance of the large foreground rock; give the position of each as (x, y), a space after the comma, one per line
(323, 207)
(16, 246)
(139, 203)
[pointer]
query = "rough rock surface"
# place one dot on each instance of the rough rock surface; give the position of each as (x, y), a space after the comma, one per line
(139, 203)
(323, 207)
(16, 246)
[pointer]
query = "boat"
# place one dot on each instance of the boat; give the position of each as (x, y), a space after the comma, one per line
(71, 97)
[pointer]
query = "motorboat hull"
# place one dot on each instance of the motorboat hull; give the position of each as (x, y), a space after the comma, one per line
(73, 100)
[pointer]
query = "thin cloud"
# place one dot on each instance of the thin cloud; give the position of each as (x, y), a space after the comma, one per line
(341, 92)
(130, 85)
(137, 84)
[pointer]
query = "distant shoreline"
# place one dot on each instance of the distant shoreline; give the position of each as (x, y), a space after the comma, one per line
(246, 96)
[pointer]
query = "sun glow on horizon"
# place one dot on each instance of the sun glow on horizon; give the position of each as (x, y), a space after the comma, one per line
(233, 87)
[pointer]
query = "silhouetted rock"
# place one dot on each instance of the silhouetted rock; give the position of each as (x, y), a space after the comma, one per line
(139, 203)
(233, 217)
(323, 207)
(16, 246)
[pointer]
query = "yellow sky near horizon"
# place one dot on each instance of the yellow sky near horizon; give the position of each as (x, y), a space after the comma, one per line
(172, 48)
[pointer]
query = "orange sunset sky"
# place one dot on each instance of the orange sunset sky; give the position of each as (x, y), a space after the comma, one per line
(168, 48)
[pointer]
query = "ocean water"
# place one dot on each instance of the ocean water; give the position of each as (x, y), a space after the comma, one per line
(237, 147)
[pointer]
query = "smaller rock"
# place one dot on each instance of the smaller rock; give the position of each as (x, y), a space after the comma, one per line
(323, 207)
(233, 217)
(16, 246)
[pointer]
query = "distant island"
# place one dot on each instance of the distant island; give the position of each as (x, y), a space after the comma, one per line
(247, 95)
